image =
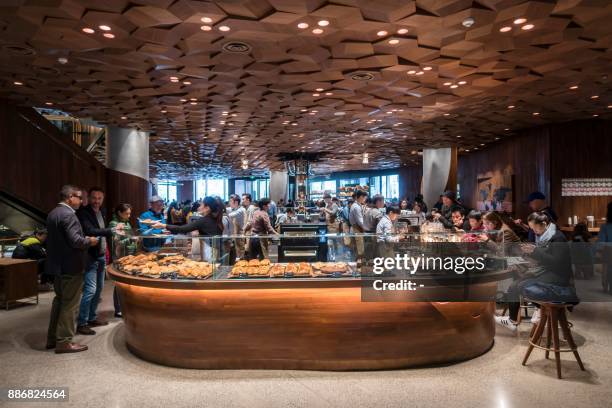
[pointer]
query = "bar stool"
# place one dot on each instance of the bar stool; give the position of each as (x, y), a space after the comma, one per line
(552, 316)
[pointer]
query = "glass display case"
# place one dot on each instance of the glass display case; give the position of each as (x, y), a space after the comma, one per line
(302, 254)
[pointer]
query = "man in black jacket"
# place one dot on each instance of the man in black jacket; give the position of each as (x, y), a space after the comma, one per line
(92, 222)
(66, 245)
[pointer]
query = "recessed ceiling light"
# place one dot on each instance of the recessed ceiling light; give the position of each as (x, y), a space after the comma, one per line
(303, 110)
(394, 41)
(507, 129)
(497, 138)
(193, 99)
(594, 96)
(206, 19)
(527, 27)
(206, 28)
(427, 68)
(319, 89)
(186, 82)
(411, 72)
(224, 28)
(535, 113)
(420, 73)
(18, 83)
(193, 103)
(510, 106)
(88, 30)
(402, 31)
(381, 33)
(124, 117)
(329, 93)
(183, 100)
(49, 103)
(316, 94)
(164, 111)
(595, 115)
(173, 78)
(462, 82)
(317, 31)
(447, 83)
(62, 60)
(447, 114)
(454, 86)
(468, 22)
(458, 136)
(505, 29)
(573, 87)
(104, 28)
(609, 106)
(323, 23)
(109, 35)
(520, 20)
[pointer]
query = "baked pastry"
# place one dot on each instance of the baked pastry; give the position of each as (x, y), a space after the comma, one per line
(264, 262)
(304, 269)
(291, 268)
(254, 262)
(277, 270)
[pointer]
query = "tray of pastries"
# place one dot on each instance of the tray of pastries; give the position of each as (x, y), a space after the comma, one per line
(152, 265)
(251, 269)
(331, 269)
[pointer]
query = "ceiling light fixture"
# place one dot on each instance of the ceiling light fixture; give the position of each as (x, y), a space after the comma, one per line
(447, 83)
(124, 117)
(527, 27)
(62, 60)
(109, 35)
(303, 25)
(468, 22)
(323, 23)
(594, 96)
(381, 33)
(411, 72)
(186, 82)
(49, 103)
(316, 94)
(573, 87)
(317, 31)
(104, 28)
(224, 28)
(535, 113)
(394, 41)
(366, 158)
(402, 31)
(88, 30)
(420, 73)
(462, 82)
(520, 21)
(319, 89)
(206, 28)
(427, 68)
(329, 93)
(505, 29)
(454, 86)
(510, 106)
(206, 19)
(18, 83)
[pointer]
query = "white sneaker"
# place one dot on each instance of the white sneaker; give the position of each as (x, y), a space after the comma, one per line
(535, 317)
(506, 322)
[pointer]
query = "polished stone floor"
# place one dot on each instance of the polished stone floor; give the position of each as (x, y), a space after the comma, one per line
(109, 376)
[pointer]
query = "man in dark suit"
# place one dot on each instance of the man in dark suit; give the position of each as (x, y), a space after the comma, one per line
(92, 222)
(66, 245)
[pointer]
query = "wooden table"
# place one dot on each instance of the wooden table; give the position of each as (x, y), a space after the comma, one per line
(307, 324)
(567, 228)
(18, 280)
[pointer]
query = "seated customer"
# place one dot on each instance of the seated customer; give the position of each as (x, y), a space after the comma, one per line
(458, 219)
(33, 247)
(496, 230)
(549, 279)
(419, 212)
(475, 220)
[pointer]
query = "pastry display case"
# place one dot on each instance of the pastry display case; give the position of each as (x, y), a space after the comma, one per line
(301, 251)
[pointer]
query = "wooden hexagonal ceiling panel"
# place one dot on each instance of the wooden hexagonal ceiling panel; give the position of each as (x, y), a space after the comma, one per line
(219, 81)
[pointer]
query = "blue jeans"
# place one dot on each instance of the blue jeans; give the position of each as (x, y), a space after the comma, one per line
(93, 284)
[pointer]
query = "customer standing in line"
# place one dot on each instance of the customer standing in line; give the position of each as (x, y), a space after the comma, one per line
(122, 244)
(357, 224)
(66, 246)
(92, 222)
(260, 225)
(237, 215)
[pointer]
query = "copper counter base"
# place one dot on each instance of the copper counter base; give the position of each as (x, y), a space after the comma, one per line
(300, 329)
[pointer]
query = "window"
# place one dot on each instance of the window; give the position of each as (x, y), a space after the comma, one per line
(257, 188)
(387, 186)
(166, 189)
(211, 187)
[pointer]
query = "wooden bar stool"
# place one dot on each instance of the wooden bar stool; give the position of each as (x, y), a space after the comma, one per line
(552, 316)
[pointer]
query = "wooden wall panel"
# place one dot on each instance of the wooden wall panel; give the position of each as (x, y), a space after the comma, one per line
(580, 150)
(410, 181)
(37, 159)
(540, 158)
(526, 156)
(126, 188)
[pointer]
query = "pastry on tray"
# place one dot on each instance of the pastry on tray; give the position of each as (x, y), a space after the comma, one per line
(277, 270)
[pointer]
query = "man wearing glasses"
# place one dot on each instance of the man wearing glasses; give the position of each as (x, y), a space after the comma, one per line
(66, 246)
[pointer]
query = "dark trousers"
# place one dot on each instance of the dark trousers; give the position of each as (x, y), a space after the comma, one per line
(116, 302)
(68, 290)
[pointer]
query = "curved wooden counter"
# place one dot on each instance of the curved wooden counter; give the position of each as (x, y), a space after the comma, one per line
(291, 324)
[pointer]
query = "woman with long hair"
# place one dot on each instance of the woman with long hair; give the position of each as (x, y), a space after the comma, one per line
(209, 224)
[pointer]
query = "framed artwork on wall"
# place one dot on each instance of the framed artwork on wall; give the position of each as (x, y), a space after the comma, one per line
(495, 193)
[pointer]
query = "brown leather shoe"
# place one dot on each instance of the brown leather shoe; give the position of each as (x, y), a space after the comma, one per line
(68, 347)
(85, 330)
(97, 322)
